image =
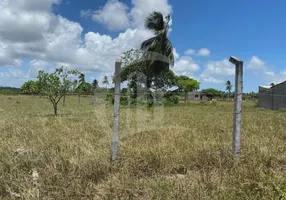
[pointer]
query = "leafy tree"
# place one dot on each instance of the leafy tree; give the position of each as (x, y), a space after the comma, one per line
(55, 85)
(94, 85)
(211, 93)
(105, 81)
(187, 84)
(80, 88)
(228, 87)
(136, 70)
(30, 87)
(272, 84)
(159, 44)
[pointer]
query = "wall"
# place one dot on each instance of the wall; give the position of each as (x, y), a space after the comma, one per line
(279, 96)
(265, 98)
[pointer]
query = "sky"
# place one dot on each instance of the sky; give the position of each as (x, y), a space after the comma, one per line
(89, 34)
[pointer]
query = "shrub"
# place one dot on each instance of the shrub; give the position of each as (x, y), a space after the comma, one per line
(171, 97)
(256, 105)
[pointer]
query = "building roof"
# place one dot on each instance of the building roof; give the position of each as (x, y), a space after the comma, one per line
(266, 87)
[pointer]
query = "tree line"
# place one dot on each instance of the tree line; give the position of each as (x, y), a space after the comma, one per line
(145, 69)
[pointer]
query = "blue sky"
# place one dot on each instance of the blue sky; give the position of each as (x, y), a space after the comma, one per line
(88, 35)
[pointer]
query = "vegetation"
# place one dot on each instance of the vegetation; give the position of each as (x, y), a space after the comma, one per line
(57, 84)
(159, 44)
(187, 155)
(9, 90)
(31, 87)
(186, 84)
(228, 87)
(105, 81)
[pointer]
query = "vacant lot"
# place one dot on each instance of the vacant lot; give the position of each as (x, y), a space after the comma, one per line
(185, 156)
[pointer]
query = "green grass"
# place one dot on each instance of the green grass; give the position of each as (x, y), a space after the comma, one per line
(185, 156)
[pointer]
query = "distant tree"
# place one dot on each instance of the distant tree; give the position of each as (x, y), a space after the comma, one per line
(55, 85)
(80, 88)
(30, 87)
(272, 84)
(94, 85)
(187, 84)
(211, 93)
(105, 81)
(228, 87)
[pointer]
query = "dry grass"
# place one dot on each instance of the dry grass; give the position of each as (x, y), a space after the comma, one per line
(185, 156)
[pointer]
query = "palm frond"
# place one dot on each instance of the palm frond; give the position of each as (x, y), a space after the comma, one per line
(155, 22)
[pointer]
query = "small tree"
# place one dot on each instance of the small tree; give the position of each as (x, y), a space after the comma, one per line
(80, 88)
(30, 87)
(105, 81)
(94, 85)
(228, 87)
(272, 84)
(187, 84)
(55, 85)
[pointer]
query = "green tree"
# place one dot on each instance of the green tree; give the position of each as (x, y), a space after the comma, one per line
(80, 88)
(136, 70)
(105, 81)
(211, 93)
(272, 84)
(55, 85)
(159, 44)
(30, 87)
(228, 87)
(187, 84)
(94, 85)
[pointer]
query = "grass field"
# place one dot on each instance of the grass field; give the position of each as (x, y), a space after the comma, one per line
(185, 156)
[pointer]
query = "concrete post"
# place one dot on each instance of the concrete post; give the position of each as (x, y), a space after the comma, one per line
(237, 104)
(116, 110)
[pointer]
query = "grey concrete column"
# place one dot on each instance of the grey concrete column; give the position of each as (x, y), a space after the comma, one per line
(237, 104)
(116, 110)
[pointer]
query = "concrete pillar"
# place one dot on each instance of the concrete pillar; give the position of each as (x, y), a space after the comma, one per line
(237, 104)
(116, 110)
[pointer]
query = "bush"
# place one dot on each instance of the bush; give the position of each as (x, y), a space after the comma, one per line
(256, 105)
(171, 97)
(213, 102)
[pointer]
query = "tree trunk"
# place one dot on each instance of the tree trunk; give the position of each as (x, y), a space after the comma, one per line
(55, 109)
(64, 100)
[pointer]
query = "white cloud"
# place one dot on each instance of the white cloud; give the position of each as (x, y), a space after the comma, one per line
(41, 35)
(176, 55)
(221, 68)
(211, 79)
(204, 52)
(185, 66)
(256, 64)
(215, 71)
(113, 14)
(190, 52)
(118, 16)
(269, 73)
(200, 52)
(263, 70)
(142, 8)
(85, 13)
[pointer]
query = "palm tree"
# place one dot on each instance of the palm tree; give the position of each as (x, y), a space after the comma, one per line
(94, 85)
(80, 86)
(160, 43)
(228, 87)
(105, 81)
